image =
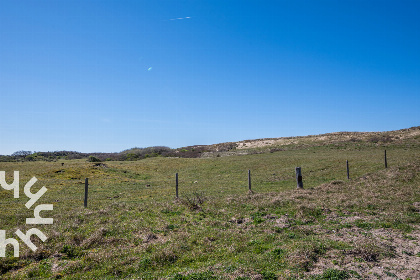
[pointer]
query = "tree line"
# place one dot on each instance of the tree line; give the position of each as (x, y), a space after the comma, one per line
(126, 155)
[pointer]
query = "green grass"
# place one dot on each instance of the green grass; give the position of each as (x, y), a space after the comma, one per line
(332, 274)
(134, 226)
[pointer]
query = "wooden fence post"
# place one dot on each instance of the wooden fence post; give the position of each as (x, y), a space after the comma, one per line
(176, 185)
(348, 170)
(249, 180)
(386, 163)
(299, 178)
(86, 191)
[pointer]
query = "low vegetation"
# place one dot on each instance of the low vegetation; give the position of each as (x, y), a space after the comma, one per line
(407, 137)
(134, 227)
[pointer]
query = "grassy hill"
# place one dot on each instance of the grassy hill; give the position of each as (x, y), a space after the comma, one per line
(134, 228)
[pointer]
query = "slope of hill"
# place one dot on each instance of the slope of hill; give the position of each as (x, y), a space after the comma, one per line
(409, 136)
(401, 136)
(366, 227)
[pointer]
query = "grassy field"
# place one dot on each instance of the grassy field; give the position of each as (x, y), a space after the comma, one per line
(134, 228)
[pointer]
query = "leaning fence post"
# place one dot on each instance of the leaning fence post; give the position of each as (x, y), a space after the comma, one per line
(249, 180)
(348, 170)
(86, 191)
(386, 163)
(299, 178)
(176, 184)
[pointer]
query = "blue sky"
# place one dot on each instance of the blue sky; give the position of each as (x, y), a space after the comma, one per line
(104, 76)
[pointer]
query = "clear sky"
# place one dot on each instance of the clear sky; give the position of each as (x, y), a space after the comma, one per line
(104, 76)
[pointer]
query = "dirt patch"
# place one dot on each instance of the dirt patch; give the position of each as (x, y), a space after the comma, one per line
(250, 144)
(377, 254)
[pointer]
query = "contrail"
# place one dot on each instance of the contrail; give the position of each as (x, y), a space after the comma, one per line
(180, 18)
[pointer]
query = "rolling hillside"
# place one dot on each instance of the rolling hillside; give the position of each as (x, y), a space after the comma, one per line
(365, 227)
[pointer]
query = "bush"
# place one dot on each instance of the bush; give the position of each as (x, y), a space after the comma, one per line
(21, 153)
(93, 159)
(30, 158)
(71, 251)
(141, 153)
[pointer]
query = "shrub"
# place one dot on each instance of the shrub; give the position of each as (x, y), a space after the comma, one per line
(93, 159)
(193, 203)
(71, 251)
